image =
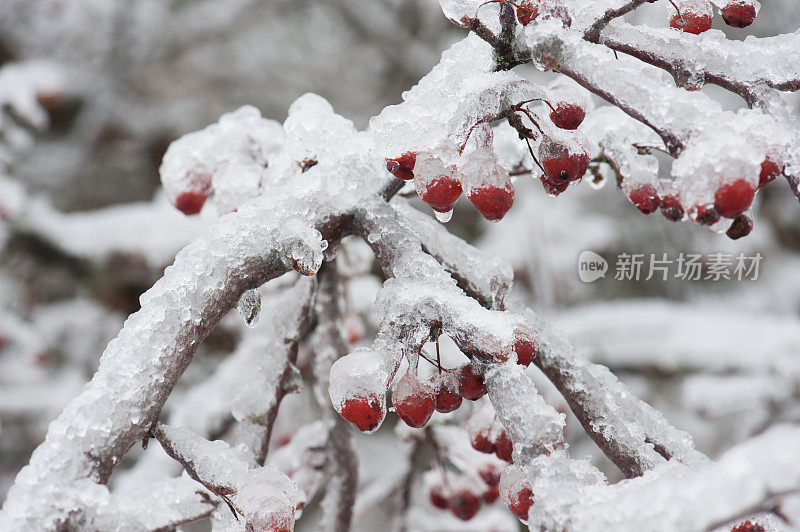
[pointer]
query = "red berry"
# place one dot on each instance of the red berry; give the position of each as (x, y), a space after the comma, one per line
(645, 198)
(491, 494)
(527, 11)
(493, 202)
(504, 448)
(749, 526)
(441, 193)
(567, 115)
(438, 497)
(554, 187)
(366, 413)
(447, 400)
(521, 503)
(470, 385)
(739, 13)
(481, 441)
(561, 164)
(402, 167)
(706, 214)
(524, 346)
(691, 22)
(671, 208)
(734, 198)
(490, 474)
(742, 226)
(769, 172)
(464, 505)
(414, 400)
(190, 202)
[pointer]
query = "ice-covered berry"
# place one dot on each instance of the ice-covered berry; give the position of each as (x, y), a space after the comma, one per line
(524, 345)
(414, 400)
(482, 441)
(742, 226)
(493, 202)
(503, 447)
(364, 412)
(470, 384)
(441, 192)
(561, 162)
(490, 474)
(567, 115)
(671, 208)
(705, 214)
(692, 17)
(438, 497)
(491, 494)
(770, 170)
(521, 502)
(739, 13)
(527, 10)
(447, 400)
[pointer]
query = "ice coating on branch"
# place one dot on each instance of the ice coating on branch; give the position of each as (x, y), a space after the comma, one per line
(249, 306)
(229, 157)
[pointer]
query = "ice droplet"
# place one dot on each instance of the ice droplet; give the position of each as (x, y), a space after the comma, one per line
(444, 217)
(249, 306)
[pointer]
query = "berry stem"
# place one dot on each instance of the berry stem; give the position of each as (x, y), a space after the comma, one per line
(539, 100)
(438, 356)
(676, 7)
(534, 157)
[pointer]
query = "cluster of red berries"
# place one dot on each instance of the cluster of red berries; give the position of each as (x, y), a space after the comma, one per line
(441, 192)
(491, 440)
(414, 399)
(748, 526)
(695, 17)
(463, 502)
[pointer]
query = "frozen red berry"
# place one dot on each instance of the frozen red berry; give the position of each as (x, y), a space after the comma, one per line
(470, 385)
(561, 163)
(734, 198)
(402, 167)
(366, 413)
(438, 497)
(493, 202)
(671, 208)
(464, 505)
(527, 10)
(491, 494)
(524, 346)
(705, 214)
(567, 115)
(742, 226)
(490, 474)
(503, 447)
(441, 193)
(739, 13)
(645, 198)
(691, 20)
(521, 502)
(554, 187)
(482, 442)
(414, 400)
(447, 400)
(769, 172)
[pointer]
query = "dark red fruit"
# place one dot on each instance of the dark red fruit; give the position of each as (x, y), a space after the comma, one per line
(438, 497)
(567, 115)
(190, 202)
(748, 526)
(470, 385)
(734, 198)
(363, 412)
(491, 494)
(671, 208)
(441, 193)
(742, 226)
(769, 172)
(503, 447)
(490, 474)
(493, 202)
(402, 167)
(527, 10)
(447, 400)
(524, 346)
(521, 503)
(464, 505)
(482, 442)
(414, 401)
(645, 198)
(739, 13)
(691, 22)
(561, 164)
(706, 214)
(554, 187)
